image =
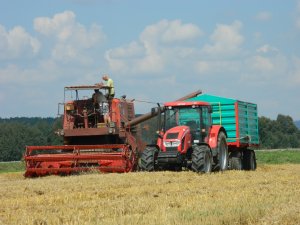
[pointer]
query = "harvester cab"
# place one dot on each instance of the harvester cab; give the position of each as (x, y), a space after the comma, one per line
(91, 116)
(187, 139)
(83, 106)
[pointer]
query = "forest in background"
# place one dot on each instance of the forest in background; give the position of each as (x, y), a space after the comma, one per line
(17, 133)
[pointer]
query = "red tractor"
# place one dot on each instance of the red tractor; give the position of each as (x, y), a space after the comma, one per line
(187, 138)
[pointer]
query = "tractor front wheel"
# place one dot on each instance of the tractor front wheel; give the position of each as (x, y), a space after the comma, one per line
(147, 159)
(201, 159)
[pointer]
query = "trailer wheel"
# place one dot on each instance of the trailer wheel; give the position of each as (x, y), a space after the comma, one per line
(201, 159)
(235, 161)
(222, 152)
(249, 160)
(147, 159)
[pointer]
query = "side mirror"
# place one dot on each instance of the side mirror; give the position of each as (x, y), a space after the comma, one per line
(209, 109)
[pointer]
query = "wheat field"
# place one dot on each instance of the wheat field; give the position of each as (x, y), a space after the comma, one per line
(269, 195)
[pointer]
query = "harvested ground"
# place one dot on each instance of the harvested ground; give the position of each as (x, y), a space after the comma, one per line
(270, 195)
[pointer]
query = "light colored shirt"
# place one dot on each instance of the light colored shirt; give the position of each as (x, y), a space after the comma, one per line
(110, 83)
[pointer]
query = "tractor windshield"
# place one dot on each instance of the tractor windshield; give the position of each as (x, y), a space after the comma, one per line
(182, 116)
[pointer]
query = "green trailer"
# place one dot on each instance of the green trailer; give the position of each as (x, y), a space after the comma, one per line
(239, 119)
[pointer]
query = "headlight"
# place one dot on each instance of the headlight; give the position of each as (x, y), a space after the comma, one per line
(172, 143)
(69, 107)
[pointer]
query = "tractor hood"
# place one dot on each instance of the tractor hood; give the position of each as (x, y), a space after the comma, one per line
(176, 133)
(174, 138)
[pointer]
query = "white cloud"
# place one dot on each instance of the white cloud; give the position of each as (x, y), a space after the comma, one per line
(266, 70)
(17, 43)
(16, 75)
(157, 45)
(214, 67)
(264, 16)
(170, 32)
(72, 39)
(266, 49)
(261, 63)
(226, 39)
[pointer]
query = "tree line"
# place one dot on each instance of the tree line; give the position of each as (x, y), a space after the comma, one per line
(17, 133)
(279, 133)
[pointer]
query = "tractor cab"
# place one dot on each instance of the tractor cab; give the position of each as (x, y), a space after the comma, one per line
(184, 124)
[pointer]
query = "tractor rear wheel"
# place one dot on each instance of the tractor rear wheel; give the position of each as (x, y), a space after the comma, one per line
(147, 159)
(222, 152)
(249, 160)
(201, 159)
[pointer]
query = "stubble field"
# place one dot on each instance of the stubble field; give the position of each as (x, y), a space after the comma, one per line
(269, 195)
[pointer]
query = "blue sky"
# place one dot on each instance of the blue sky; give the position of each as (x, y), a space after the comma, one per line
(154, 50)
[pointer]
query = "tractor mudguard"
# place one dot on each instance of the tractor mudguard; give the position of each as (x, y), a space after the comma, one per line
(213, 136)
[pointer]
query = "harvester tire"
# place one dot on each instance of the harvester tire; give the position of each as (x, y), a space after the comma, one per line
(235, 161)
(147, 159)
(201, 159)
(249, 160)
(222, 163)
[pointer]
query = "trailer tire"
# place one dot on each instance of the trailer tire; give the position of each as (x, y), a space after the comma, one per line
(147, 159)
(249, 160)
(201, 159)
(235, 161)
(222, 163)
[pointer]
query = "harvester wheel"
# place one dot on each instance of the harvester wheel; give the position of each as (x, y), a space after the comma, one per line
(235, 161)
(201, 159)
(249, 160)
(147, 159)
(222, 152)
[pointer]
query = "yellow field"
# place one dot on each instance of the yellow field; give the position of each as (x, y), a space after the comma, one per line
(270, 195)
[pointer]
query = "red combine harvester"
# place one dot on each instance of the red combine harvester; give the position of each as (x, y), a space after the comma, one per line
(89, 142)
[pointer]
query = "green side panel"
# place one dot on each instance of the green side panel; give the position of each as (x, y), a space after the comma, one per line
(248, 122)
(224, 114)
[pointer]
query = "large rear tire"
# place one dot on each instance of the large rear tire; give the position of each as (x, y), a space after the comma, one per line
(147, 159)
(201, 159)
(222, 163)
(235, 160)
(249, 160)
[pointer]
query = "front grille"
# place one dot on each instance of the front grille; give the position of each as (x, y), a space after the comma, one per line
(172, 135)
(169, 149)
